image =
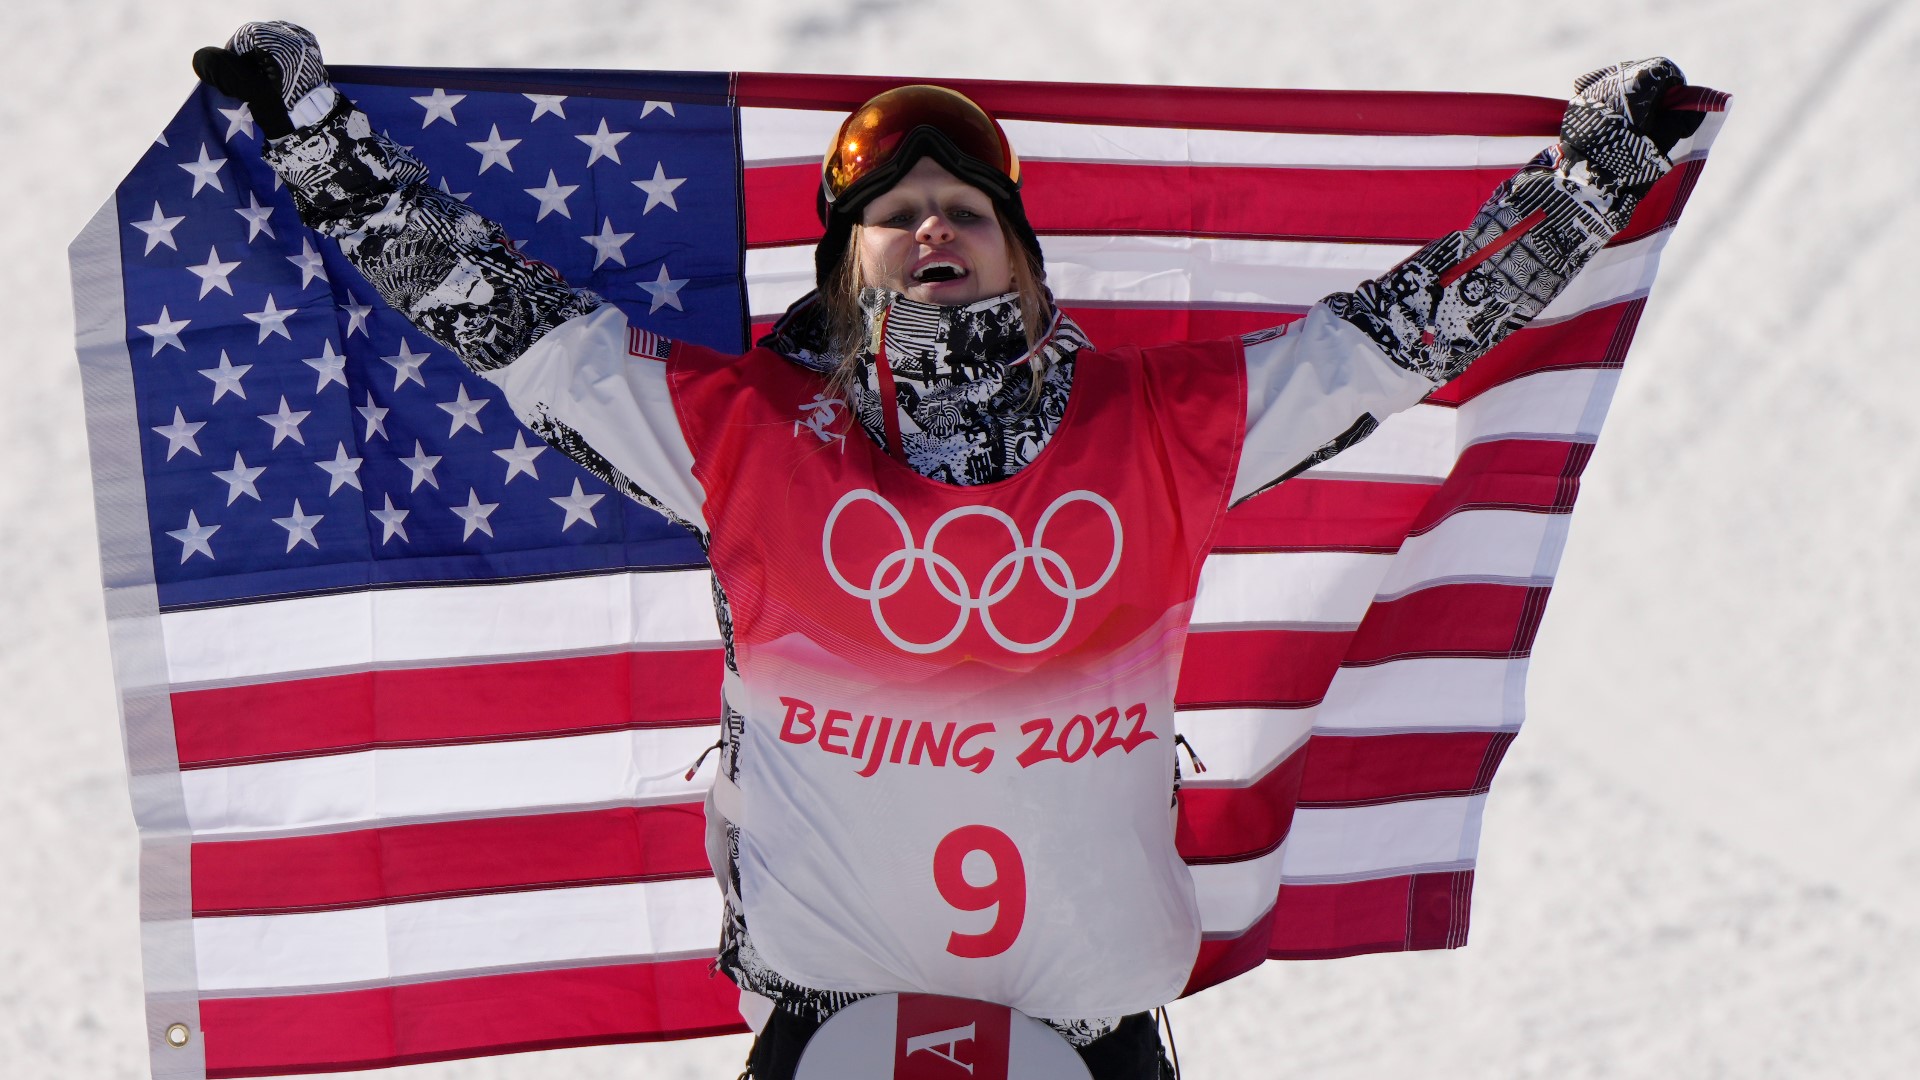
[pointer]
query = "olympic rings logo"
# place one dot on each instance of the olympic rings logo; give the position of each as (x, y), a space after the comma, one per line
(894, 571)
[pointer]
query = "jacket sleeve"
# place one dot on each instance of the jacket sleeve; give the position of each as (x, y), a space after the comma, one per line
(561, 355)
(1320, 385)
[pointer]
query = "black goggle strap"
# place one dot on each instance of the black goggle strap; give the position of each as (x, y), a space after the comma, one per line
(923, 141)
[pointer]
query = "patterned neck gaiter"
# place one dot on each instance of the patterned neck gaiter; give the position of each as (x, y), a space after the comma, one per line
(963, 380)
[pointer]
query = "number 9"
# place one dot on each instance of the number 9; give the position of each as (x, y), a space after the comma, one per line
(1007, 890)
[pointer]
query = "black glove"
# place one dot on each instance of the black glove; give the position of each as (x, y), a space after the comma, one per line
(1619, 125)
(272, 66)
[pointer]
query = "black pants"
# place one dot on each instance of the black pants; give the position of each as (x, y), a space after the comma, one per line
(1130, 1052)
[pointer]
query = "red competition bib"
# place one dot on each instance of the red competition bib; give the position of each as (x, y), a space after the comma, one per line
(956, 771)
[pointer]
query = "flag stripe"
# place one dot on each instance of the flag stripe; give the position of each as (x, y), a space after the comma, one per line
(1185, 198)
(1395, 206)
(1410, 911)
(1278, 667)
(664, 609)
(1351, 843)
(1312, 514)
(1370, 769)
(1384, 915)
(646, 766)
(464, 1017)
(437, 705)
(1175, 270)
(1356, 112)
(403, 942)
(449, 858)
(1476, 619)
(1425, 694)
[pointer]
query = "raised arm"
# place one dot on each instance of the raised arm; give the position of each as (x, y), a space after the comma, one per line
(1322, 384)
(560, 354)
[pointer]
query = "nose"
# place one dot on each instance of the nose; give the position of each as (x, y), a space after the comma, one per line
(934, 229)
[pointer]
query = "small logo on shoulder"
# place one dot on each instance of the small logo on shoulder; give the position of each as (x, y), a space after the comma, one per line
(819, 415)
(648, 345)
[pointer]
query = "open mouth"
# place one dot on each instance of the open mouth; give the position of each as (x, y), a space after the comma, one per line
(940, 271)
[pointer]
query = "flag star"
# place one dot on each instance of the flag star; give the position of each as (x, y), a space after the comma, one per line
(310, 263)
(240, 478)
(579, 507)
(213, 274)
(194, 537)
(271, 320)
(604, 143)
(205, 171)
(664, 290)
(553, 197)
(342, 470)
(299, 526)
(165, 331)
(331, 366)
(179, 434)
(464, 410)
(664, 106)
(439, 106)
(494, 150)
(226, 378)
(256, 216)
(390, 522)
(357, 313)
(406, 366)
(546, 103)
(461, 195)
(162, 139)
(239, 121)
(660, 189)
(607, 244)
(519, 457)
(159, 229)
(421, 464)
(475, 514)
(376, 418)
(286, 424)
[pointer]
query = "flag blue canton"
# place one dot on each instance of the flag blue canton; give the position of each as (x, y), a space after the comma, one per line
(299, 436)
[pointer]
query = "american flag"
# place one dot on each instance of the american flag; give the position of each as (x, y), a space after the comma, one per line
(411, 701)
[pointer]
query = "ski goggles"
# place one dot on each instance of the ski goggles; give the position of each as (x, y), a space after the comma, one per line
(884, 138)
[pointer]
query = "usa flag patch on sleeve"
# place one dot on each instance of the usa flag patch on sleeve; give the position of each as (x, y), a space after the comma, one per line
(647, 344)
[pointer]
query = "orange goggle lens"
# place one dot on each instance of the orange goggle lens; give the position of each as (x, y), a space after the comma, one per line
(869, 140)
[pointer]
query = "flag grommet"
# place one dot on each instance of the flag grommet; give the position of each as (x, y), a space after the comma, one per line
(178, 1035)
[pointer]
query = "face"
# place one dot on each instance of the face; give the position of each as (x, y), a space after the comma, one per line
(934, 238)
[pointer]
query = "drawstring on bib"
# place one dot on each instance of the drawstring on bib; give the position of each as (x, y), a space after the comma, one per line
(889, 397)
(1198, 765)
(702, 759)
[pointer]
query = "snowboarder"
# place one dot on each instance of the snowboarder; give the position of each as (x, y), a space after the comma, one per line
(891, 643)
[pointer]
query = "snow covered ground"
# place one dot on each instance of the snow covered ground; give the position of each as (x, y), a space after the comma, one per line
(1700, 858)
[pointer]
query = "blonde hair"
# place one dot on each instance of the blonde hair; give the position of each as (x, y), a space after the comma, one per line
(850, 334)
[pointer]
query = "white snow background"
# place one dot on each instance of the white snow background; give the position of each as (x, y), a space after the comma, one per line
(1701, 857)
